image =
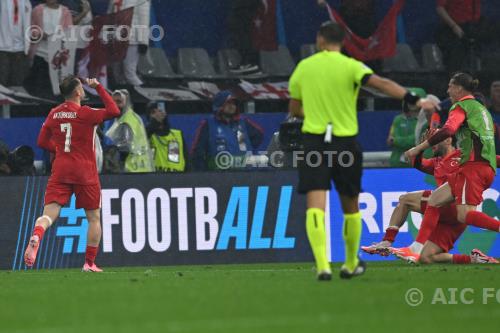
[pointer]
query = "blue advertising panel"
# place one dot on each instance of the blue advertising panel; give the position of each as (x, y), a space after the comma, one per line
(164, 219)
(381, 190)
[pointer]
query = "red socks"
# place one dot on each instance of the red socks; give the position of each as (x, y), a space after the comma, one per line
(39, 231)
(390, 234)
(90, 254)
(481, 220)
(461, 259)
(431, 218)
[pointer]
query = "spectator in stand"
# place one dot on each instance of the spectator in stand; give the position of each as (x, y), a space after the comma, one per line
(359, 16)
(81, 11)
(129, 135)
(240, 23)
(461, 31)
(167, 143)
(226, 131)
(82, 19)
(126, 72)
(495, 97)
(15, 19)
(49, 16)
(402, 135)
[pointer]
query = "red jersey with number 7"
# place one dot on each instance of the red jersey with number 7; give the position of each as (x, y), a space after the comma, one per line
(69, 132)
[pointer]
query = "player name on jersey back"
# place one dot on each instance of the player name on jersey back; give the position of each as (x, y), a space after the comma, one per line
(65, 115)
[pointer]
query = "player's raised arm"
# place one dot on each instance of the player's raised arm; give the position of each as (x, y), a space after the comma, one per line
(44, 140)
(394, 90)
(455, 120)
(110, 110)
(423, 164)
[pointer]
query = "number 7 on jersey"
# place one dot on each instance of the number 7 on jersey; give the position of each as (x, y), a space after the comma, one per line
(66, 128)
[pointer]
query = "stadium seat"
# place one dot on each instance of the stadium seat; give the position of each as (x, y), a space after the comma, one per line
(490, 61)
(277, 63)
(403, 61)
(227, 59)
(432, 58)
(307, 50)
(155, 64)
(195, 62)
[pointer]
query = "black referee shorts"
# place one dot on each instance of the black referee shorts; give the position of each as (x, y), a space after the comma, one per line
(320, 163)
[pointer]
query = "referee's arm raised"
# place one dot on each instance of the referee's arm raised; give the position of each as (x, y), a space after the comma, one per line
(394, 90)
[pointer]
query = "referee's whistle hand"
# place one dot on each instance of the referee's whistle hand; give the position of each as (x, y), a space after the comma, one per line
(428, 104)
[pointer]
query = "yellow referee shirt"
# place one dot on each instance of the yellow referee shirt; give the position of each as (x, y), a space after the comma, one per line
(328, 84)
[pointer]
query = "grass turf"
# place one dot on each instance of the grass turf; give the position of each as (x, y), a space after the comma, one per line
(246, 298)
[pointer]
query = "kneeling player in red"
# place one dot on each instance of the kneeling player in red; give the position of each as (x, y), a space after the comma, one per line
(68, 132)
(441, 241)
(473, 126)
(444, 164)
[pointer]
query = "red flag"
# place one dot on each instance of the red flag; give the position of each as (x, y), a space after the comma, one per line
(110, 38)
(381, 44)
(264, 32)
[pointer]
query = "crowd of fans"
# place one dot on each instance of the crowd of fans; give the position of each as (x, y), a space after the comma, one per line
(462, 34)
(24, 62)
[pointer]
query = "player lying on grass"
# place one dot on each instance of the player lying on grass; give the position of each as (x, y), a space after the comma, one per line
(69, 132)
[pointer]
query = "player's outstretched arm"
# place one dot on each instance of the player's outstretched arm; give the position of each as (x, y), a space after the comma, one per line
(111, 109)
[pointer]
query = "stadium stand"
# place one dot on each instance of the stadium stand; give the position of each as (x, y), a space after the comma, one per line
(307, 50)
(195, 62)
(432, 58)
(227, 59)
(277, 63)
(403, 61)
(155, 64)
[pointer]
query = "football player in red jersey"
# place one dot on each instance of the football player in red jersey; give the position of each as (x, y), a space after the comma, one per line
(472, 124)
(444, 164)
(68, 132)
(434, 244)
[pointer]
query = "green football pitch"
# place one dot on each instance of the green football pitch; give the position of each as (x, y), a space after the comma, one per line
(251, 298)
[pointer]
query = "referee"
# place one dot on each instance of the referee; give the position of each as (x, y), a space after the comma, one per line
(324, 90)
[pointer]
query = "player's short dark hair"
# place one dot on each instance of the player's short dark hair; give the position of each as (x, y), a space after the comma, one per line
(465, 80)
(332, 32)
(68, 85)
